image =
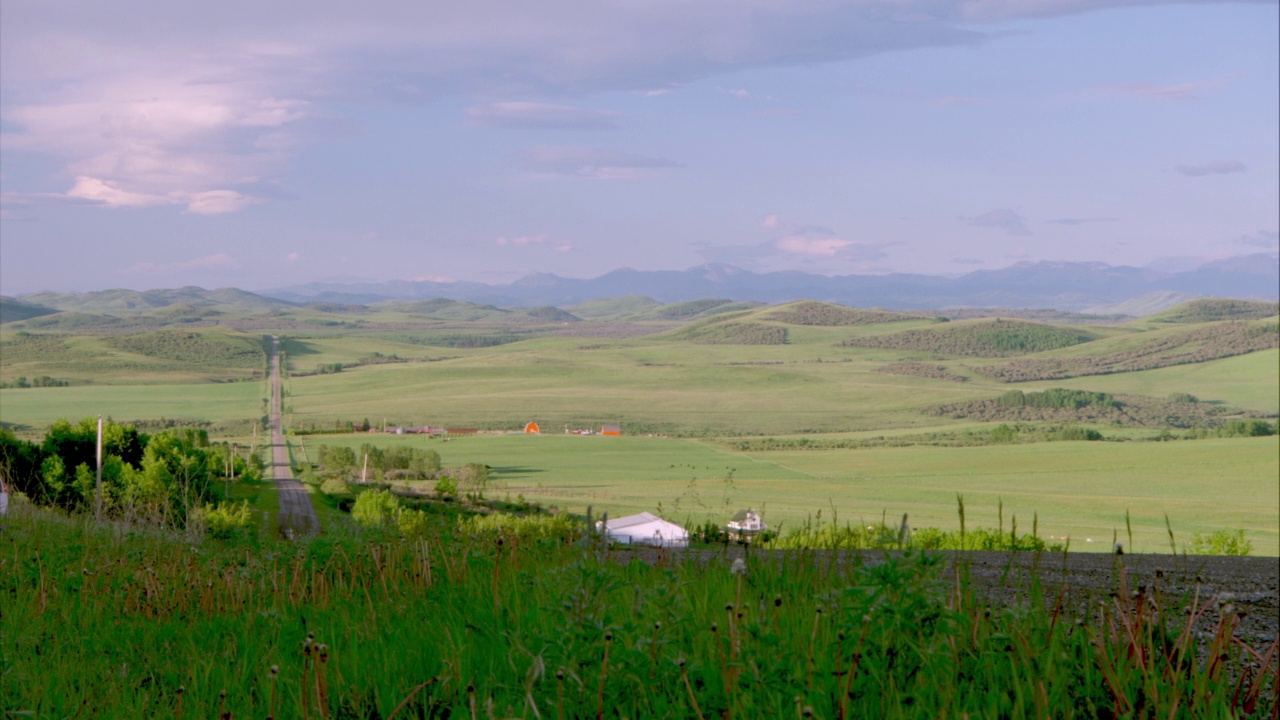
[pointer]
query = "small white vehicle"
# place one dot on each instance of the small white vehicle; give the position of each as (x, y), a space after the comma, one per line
(4, 498)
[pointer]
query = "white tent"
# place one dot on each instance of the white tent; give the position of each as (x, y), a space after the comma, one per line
(645, 529)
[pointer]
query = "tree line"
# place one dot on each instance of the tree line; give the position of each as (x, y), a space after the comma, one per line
(163, 479)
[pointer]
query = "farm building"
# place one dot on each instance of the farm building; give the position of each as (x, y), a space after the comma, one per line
(645, 529)
(745, 524)
(611, 430)
(532, 429)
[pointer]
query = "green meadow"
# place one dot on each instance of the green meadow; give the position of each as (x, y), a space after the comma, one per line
(1240, 381)
(40, 407)
(684, 394)
(1076, 490)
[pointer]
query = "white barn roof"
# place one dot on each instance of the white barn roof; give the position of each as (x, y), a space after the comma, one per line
(646, 529)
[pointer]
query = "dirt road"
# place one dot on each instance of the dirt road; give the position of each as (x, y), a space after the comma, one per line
(297, 514)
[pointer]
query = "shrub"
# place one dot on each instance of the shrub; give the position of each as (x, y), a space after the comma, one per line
(562, 528)
(228, 519)
(1004, 434)
(1246, 428)
(335, 486)
(411, 523)
(376, 508)
(1220, 542)
(446, 486)
(1075, 432)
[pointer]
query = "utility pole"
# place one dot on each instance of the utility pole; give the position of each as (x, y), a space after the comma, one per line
(98, 483)
(364, 471)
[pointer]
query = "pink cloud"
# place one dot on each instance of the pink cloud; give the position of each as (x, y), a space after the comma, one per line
(801, 245)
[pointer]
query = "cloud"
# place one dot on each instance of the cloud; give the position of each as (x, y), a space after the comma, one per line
(748, 95)
(802, 245)
(162, 103)
(540, 115)
(1216, 167)
(216, 202)
(1266, 239)
(536, 240)
(209, 202)
(1004, 219)
(216, 262)
(1083, 220)
(99, 191)
(293, 257)
(525, 240)
(795, 246)
(589, 162)
(154, 137)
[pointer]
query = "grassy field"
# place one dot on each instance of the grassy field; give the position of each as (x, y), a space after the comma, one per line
(672, 384)
(1236, 381)
(39, 407)
(1078, 490)
(360, 624)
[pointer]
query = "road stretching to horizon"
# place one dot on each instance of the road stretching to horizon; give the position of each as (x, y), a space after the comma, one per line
(297, 514)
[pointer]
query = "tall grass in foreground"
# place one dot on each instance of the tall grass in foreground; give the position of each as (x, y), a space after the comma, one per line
(101, 622)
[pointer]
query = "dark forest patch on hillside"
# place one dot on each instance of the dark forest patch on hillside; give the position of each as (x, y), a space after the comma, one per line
(32, 347)
(1196, 346)
(998, 338)
(737, 333)
(1217, 309)
(194, 348)
(1081, 406)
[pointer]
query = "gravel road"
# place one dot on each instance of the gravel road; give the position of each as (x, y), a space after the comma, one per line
(297, 514)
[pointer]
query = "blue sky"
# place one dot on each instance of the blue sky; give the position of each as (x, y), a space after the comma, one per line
(157, 144)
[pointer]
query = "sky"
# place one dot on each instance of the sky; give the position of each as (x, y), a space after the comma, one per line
(151, 144)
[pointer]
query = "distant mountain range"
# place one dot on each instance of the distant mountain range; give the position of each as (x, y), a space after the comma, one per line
(1056, 285)
(1094, 288)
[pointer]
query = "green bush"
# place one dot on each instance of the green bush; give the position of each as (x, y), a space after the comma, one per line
(335, 486)
(1004, 434)
(411, 523)
(1075, 432)
(446, 486)
(376, 508)
(562, 528)
(228, 519)
(1220, 542)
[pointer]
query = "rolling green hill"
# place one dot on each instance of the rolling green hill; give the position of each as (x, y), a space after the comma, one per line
(12, 310)
(620, 308)
(1214, 309)
(808, 312)
(979, 338)
(1209, 341)
(126, 302)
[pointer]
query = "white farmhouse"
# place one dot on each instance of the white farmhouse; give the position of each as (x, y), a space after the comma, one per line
(745, 524)
(645, 529)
